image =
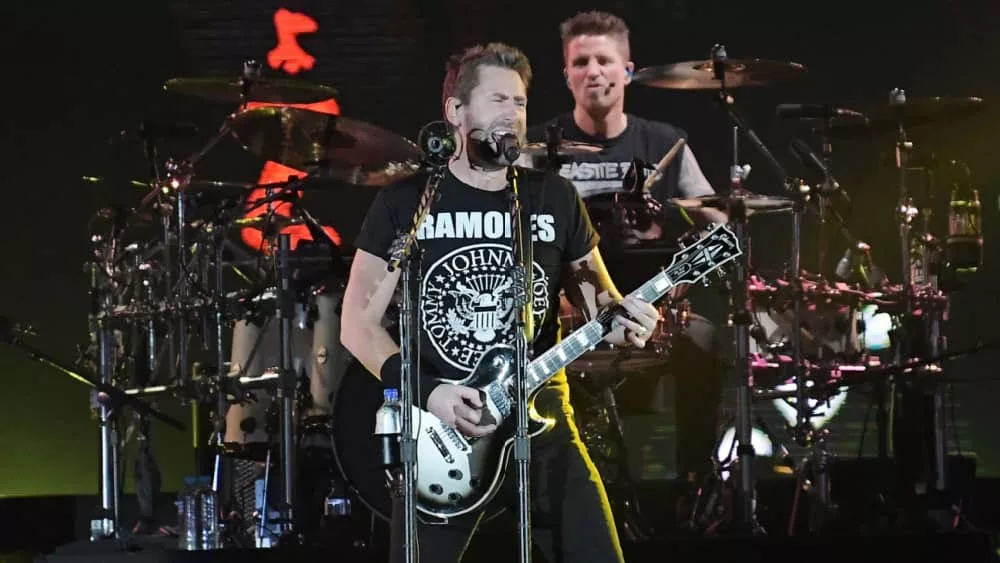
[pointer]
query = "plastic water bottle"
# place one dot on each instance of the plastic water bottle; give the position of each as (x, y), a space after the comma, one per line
(197, 515)
(388, 425)
(208, 515)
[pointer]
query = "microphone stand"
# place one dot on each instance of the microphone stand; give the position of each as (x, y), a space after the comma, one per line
(402, 255)
(523, 335)
(746, 517)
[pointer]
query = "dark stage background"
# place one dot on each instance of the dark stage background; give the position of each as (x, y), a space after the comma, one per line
(77, 75)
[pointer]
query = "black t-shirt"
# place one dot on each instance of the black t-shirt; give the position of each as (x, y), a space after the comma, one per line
(466, 266)
(608, 171)
(599, 176)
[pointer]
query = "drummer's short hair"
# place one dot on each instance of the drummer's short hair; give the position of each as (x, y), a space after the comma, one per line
(462, 69)
(594, 22)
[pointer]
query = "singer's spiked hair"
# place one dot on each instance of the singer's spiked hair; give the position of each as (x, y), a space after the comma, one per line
(595, 23)
(462, 69)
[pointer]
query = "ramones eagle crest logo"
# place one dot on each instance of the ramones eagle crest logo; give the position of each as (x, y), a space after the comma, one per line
(467, 305)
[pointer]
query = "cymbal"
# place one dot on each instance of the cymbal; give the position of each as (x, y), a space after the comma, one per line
(914, 113)
(823, 116)
(699, 75)
(755, 203)
(194, 185)
(229, 90)
(565, 148)
(340, 147)
(262, 222)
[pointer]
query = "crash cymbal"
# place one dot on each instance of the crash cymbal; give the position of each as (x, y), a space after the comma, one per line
(755, 203)
(913, 113)
(340, 147)
(699, 75)
(230, 90)
(565, 148)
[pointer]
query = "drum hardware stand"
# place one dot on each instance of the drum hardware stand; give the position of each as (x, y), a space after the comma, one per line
(746, 521)
(106, 523)
(914, 272)
(286, 385)
(524, 331)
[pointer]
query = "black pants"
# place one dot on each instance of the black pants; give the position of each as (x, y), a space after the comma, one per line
(698, 371)
(571, 517)
(695, 366)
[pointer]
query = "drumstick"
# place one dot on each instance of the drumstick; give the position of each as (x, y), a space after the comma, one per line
(664, 162)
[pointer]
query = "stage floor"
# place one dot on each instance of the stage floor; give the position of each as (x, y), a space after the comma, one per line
(54, 530)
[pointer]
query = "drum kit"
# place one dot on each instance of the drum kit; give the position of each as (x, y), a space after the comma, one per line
(800, 336)
(162, 277)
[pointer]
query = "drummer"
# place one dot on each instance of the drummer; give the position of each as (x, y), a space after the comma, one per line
(597, 70)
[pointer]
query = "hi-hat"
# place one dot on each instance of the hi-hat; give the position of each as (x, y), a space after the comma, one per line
(700, 75)
(268, 90)
(754, 203)
(339, 147)
(565, 148)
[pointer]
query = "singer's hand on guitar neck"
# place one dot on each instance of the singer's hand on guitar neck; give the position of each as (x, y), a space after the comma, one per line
(459, 407)
(635, 330)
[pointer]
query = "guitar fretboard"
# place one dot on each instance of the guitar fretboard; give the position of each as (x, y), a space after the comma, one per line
(588, 336)
(688, 266)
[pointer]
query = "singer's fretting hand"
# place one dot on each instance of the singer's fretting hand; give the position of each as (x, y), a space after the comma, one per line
(459, 407)
(637, 331)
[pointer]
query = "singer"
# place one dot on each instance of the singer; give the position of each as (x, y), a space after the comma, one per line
(465, 307)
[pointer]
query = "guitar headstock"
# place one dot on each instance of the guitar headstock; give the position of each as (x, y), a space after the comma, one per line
(716, 247)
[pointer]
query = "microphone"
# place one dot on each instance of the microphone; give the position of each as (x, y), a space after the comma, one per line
(508, 145)
(437, 143)
(809, 157)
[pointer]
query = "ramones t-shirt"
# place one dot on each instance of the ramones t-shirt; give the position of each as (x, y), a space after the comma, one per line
(466, 305)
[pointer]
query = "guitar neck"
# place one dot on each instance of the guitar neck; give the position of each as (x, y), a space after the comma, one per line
(589, 335)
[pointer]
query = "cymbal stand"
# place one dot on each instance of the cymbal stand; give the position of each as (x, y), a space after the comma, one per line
(916, 272)
(106, 523)
(286, 384)
(746, 520)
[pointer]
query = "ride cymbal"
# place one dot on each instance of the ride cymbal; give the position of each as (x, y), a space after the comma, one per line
(231, 90)
(700, 75)
(914, 112)
(340, 147)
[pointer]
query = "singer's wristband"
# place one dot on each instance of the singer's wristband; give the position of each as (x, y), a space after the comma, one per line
(392, 376)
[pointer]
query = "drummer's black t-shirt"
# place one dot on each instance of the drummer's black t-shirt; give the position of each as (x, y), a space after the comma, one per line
(466, 263)
(608, 171)
(598, 176)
